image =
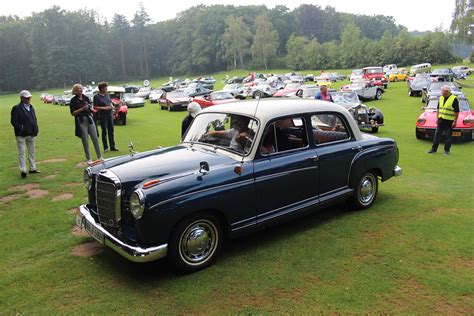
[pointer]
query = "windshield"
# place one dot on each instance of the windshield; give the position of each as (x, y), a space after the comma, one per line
(439, 85)
(440, 71)
(231, 86)
(144, 89)
(374, 70)
(422, 81)
(221, 96)
(345, 97)
(231, 132)
(292, 85)
(463, 105)
(357, 72)
(176, 94)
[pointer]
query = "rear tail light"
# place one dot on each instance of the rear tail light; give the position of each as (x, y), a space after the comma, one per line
(468, 121)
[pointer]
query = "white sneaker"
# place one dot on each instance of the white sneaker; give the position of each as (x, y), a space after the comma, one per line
(101, 158)
(89, 162)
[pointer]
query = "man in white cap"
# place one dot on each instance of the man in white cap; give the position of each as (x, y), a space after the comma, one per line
(193, 109)
(25, 125)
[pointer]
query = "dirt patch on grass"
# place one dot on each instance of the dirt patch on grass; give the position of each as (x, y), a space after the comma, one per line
(76, 231)
(36, 193)
(89, 249)
(73, 211)
(81, 165)
(51, 176)
(23, 187)
(63, 197)
(53, 160)
(413, 295)
(72, 185)
(9, 198)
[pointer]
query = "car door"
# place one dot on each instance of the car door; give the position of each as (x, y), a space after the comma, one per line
(335, 148)
(286, 172)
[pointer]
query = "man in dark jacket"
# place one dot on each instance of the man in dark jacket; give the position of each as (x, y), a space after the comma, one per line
(25, 125)
(193, 109)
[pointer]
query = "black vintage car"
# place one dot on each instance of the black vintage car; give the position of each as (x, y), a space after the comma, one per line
(240, 167)
(367, 118)
(443, 74)
(418, 84)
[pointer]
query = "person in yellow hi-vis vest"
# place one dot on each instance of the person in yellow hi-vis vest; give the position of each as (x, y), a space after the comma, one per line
(448, 111)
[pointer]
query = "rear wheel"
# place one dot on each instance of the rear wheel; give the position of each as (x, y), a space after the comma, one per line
(366, 191)
(410, 93)
(123, 119)
(196, 242)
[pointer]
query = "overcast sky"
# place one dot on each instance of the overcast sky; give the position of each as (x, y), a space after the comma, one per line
(418, 15)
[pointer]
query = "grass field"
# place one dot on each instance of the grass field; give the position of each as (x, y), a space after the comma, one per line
(412, 252)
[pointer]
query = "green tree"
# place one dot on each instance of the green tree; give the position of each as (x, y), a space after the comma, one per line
(235, 40)
(296, 47)
(140, 22)
(265, 41)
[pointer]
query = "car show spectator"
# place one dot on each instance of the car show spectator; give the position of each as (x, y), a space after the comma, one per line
(448, 111)
(25, 125)
(193, 109)
(323, 94)
(81, 108)
(103, 105)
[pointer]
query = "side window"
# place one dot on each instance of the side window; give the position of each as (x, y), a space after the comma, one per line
(284, 134)
(328, 128)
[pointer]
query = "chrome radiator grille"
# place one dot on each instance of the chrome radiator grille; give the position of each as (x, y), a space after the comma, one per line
(108, 198)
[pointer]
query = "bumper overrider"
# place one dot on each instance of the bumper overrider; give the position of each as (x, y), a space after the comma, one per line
(397, 171)
(133, 253)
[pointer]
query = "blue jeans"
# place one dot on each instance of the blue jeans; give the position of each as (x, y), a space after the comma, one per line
(445, 127)
(107, 127)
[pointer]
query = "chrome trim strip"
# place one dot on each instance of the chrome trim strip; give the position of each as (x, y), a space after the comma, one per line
(397, 171)
(132, 253)
(274, 175)
(233, 184)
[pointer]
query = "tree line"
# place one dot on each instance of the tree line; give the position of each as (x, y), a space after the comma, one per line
(57, 47)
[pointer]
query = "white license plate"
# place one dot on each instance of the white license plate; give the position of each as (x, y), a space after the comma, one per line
(94, 232)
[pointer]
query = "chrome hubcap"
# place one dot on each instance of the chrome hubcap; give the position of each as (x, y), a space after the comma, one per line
(198, 242)
(367, 189)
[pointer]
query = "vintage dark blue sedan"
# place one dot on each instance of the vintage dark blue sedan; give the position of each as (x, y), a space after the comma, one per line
(240, 167)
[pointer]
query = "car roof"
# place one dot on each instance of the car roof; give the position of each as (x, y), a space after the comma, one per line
(115, 89)
(267, 109)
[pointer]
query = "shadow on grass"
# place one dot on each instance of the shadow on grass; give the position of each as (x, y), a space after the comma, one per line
(161, 271)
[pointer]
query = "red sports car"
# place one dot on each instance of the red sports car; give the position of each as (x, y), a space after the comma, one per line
(174, 101)
(376, 75)
(48, 98)
(289, 89)
(464, 129)
(218, 97)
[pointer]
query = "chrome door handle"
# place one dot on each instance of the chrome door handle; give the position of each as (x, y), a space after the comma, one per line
(359, 148)
(313, 158)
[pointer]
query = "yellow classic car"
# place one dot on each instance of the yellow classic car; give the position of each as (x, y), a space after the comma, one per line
(397, 76)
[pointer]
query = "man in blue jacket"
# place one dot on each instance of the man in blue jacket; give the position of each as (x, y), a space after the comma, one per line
(323, 94)
(25, 125)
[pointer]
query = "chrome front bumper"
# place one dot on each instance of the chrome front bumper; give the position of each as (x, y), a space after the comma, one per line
(397, 171)
(132, 253)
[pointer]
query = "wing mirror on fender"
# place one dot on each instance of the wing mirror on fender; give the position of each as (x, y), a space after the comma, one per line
(203, 167)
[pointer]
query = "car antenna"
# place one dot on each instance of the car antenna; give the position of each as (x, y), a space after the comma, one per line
(238, 169)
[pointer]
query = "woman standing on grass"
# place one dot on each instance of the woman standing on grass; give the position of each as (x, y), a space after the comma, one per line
(81, 109)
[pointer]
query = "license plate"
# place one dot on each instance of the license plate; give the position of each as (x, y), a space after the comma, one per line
(456, 134)
(94, 232)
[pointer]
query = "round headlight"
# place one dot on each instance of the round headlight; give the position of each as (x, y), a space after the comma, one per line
(137, 204)
(87, 178)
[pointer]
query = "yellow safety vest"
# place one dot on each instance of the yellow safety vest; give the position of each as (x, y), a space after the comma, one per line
(446, 109)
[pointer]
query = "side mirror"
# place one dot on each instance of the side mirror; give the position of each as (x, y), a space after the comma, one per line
(203, 167)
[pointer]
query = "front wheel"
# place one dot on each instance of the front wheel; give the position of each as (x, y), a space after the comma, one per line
(395, 79)
(378, 95)
(366, 191)
(419, 135)
(196, 242)
(124, 119)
